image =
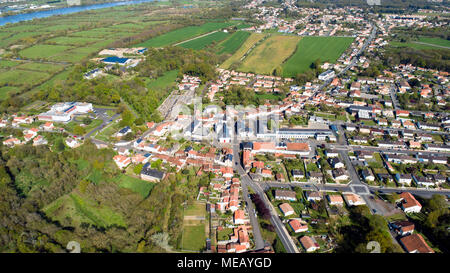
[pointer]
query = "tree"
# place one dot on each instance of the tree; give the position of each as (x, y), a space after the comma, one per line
(127, 118)
(79, 130)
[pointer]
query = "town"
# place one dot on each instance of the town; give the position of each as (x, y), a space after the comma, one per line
(284, 160)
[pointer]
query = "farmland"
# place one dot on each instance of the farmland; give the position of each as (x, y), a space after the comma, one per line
(183, 34)
(246, 46)
(270, 54)
(309, 49)
(202, 42)
(232, 43)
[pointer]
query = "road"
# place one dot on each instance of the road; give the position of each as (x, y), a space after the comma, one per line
(280, 229)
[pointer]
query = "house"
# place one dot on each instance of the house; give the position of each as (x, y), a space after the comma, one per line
(123, 131)
(309, 244)
(331, 153)
(48, 126)
(340, 174)
(367, 175)
(404, 179)
(313, 196)
(122, 161)
(315, 176)
(149, 174)
(72, 143)
(403, 227)
(11, 141)
(353, 199)
(297, 226)
(335, 200)
(39, 140)
(336, 163)
(408, 203)
(239, 217)
(286, 209)
(297, 174)
(285, 195)
(415, 243)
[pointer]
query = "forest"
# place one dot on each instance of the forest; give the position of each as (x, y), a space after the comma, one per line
(34, 180)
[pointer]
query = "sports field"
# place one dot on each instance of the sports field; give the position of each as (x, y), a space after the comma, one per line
(232, 43)
(194, 227)
(202, 42)
(248, 44)
(270, 54)
(183, 34)
(309, 49)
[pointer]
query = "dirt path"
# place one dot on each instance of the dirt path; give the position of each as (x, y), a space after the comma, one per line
(195, 38)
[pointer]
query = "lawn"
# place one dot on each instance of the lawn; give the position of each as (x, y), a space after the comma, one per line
(136, 185)
(183, 34)
(194, 237)
(309, 49)
(232, 43)
(270, 54)
(202, 42)
(435, 41)
(197, 208)
(21, 77)
(82, 210)
(43, 51)
(248, 44)
(164, 81)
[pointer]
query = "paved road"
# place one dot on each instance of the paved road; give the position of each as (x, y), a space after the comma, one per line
(101, 113)
(280, 229)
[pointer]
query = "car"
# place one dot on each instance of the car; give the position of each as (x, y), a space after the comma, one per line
(374, 210)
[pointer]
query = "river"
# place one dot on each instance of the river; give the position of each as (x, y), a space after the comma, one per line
(47, 13)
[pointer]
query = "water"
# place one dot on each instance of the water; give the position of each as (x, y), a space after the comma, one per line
(47, 13)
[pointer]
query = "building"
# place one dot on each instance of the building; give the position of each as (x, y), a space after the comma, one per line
(353, 199)
(285, 195)
(415, 243)
(408, 203)
(122, 161)
(335, 200)
(309, 244)
(327, 75)
(149, 174)
(63, 112)
(297, 226)
(403, 227)
(313, 196)
(286, 209)
(239, 217)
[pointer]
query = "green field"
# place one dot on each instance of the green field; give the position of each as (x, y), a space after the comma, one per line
(183, 34)
(194, 235)
(269, 54)
(202, 42)
(309, 49)
(163, 82)
(75, 41)
(81, 210)
(232, 43)
(43, 51)
(43, 67)
(435, 41)
(249, 43)
(21, 77)
(136, 185)
(412, 45)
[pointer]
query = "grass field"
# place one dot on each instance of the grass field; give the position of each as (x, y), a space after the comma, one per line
(412, 45)
(270, 54)
(232, 43)
(202, 42)
(42, 67)
(248, 44)
(136, 185)
(163, 82)
(81, 210)
(309, 49)
(194, 234)
(183, 34)
(43, 51)
(20, 77)
(435, 41)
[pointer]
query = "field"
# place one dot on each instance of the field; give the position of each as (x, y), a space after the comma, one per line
(136, 185)
(183, 34)
(269, 54)
(43, 51)
(413, 45)
(81, 210)
(248, 44)
(162, 82)
(202, 42)
(232, 43)
(194, 225)
(309, 49)
(435, 41)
